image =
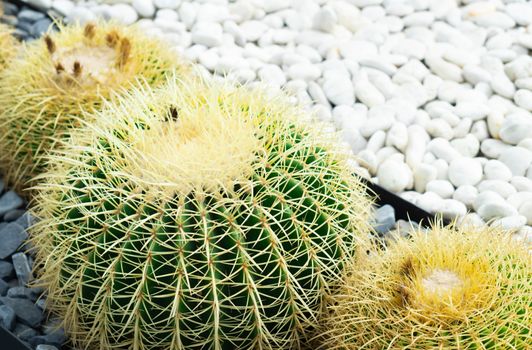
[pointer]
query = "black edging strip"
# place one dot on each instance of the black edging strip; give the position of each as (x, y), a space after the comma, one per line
(9, 341)
(403, 209)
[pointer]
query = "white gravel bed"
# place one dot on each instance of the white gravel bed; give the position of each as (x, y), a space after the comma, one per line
(433, 96)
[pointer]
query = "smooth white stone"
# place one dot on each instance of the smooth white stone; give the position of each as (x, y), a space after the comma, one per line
(493, 148)
(169, 14)
(443, 69)
(409, 47)
(357, 49)
(501, 187)
(451, 209)
(432, 84)
(485, 197)
(394, 176)
(471, 220)
(414, 92)
(145, 8)
(465, 171)
(439, 128)
(398, 136)
(124, 13)
(354, 139)
(417, 140)
(524, 83)
(526, 143)
(520, 12)
(43, 4)
(376, 123)
(467, 146)
(517, 159)
(241, 10)
(442, 169)
(325, 19)
(475, 74)
(510, 223)
(496, 170)
(523, 98)
(519, 68)
(521, 184)
(494, 210)
(304, 71)
(187, 14)
(466, 194)
(323, 113)
(495, 120)
(376, 141)
(462, 129)
(443, 188)
(253, 30)
(385, 153)
(346, 117)
(80, 15)
(368, 160)
(317, 94)
(339, 90)
(516, 127)
(405, 110)
(423, 174)
(430, 202)
(207, 33)
(367, 93)
(526, 210)
(423, 19)
(494, 19)
(480, 130)
(167, 4)
(441, 148)
(471, 110)
(502, 85)
(410, 196)
(64, 7)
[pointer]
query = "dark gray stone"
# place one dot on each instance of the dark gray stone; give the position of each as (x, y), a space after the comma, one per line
(27, 312)
(9, 20)
(25, 26)
(24, 332)
(10, 9)
(25, 220)
(1, 185)
(57, 338)
(4, 287)
(40, 27)
(20, 34)
(7, 317)
(22, 268)
(384, 219)
(41, 303)
(9, 201)
(13, 215)
(30, 15)
(12, 236)
(45, 347)
(6, 270)
(19, 292)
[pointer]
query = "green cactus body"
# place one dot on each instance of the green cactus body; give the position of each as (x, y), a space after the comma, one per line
(171, 232)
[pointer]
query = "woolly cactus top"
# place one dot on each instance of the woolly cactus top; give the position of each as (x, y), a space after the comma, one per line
(196, 214)
(54, 80)
(450, 288)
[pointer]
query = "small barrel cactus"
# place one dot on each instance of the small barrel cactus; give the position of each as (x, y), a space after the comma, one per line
(8, 46)
(196, 216)
(55, 79)
(451, 288)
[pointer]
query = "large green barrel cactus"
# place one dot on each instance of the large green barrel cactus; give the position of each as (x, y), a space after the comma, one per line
(196, 217)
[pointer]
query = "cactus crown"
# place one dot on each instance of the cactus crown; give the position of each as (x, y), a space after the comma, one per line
(55, 79)
(196, 216)
(451, 288)
(8, 45)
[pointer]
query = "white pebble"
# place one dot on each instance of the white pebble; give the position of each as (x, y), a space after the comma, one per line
(493, 148)
(394, 176)
(272, 74)
(516, 127)
(521, 183)
(124, 13)
(367, 93)
(496, 170)
(526, 210)
(523, 98)
(207, 33)
(493, 210)
(465, 171)
(167, 4)
(443, 188)
(466, 194)
(501, 187)
(397, 136)
(517, 159)
(510, 223)
(430, 202)
(304, 71)
(339, 90)
(325, 19)
(417, 140)
(145, 8)
(471, 110)
(468, 146)
(423, 174)
(451, 209)
(441, 148)
(439, 128)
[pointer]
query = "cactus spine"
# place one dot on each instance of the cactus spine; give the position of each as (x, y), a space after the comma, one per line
(196, 217)
(451, 288)
(55, 79)
(8, 46)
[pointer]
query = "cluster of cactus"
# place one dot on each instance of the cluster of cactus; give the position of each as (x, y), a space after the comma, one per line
(47, 88)
(451, 288)
(176, 213)
(196, 216)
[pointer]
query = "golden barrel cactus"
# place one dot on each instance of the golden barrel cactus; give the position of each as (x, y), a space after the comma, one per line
(55, 79)
(450, 288)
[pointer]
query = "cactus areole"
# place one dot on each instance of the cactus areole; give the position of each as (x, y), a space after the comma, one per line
(196, 217)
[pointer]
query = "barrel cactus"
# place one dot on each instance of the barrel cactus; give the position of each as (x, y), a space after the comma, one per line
(196, 216)
(65, 73)
(8, 45)
(452, 288)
